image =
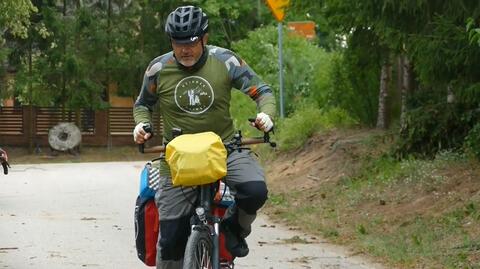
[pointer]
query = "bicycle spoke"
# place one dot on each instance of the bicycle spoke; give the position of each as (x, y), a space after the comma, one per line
(203, 256)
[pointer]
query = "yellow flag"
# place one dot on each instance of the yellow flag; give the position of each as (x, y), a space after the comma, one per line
(278, 8)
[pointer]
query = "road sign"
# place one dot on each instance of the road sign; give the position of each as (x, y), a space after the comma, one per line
(302, 28)
(278, 8)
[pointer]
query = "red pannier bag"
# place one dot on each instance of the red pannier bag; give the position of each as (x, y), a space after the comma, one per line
(222, 200)
(146, 229)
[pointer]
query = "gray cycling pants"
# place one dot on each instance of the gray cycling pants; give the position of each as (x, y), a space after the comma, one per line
(246, 181)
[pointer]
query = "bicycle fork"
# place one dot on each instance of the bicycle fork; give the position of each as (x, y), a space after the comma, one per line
(211, 222)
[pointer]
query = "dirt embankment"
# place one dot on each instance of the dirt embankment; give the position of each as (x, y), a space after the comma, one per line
(325, 158)
(317, 188)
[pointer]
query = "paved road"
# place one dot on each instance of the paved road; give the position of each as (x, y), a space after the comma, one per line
(81, 216)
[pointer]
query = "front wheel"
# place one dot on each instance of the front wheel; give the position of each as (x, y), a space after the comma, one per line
(199, 250)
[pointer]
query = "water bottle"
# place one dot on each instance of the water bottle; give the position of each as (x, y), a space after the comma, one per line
(226, 196)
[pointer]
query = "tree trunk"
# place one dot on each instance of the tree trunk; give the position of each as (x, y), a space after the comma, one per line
(399, 73)
(63, 98)
(382, 119)
(406, 88)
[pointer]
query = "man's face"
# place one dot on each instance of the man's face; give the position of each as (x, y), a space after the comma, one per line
(188, 54)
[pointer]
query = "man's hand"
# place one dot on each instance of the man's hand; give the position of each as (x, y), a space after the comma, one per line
(139, 134)
(263, 122)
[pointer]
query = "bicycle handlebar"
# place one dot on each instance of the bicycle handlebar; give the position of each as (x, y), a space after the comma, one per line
(236, 141)
(154, 149)
(243, 142)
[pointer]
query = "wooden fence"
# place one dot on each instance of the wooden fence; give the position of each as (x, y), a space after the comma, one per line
(29, 126)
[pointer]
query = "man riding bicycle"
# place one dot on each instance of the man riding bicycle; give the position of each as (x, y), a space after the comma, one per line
(4, 161)
(192, 84)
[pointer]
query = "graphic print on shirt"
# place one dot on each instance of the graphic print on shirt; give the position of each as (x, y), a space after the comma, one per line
(194, 95)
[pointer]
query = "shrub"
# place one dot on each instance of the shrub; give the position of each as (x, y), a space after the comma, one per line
(435, 125)
(336, 117)
(296, 129)
(308, 119)
(472, 141)
(433, 128)
(352, 88)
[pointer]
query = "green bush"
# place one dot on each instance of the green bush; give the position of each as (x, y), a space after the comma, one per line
(308, 119)
(434, 128)
(472, 141)
(296, 129)
(336, 117)
(351, 87)
(435, 125)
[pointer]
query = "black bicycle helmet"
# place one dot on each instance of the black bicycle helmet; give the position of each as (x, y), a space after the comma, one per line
(186, 24)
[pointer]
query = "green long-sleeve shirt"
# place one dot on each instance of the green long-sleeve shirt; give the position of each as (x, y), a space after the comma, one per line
(199, 101)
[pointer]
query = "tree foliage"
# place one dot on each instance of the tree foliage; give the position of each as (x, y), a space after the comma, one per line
(76, 49)
(14, 16)
(473, 32)
(432, 35)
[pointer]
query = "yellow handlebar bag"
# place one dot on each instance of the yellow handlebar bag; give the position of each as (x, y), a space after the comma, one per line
(196, 159)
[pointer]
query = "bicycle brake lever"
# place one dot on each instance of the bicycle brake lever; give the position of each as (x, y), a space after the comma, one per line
(266, 139)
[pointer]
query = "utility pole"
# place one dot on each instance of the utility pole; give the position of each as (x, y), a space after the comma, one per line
(280, 68)
(278, 9)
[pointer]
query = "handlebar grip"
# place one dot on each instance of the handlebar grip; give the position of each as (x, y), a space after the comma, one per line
(148, 129)
(252, 120)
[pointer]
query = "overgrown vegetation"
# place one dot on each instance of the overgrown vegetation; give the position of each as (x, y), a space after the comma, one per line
(434, 128)
(472, 141)
(307, 120)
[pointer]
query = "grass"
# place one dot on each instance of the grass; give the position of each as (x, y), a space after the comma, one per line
(436, 242)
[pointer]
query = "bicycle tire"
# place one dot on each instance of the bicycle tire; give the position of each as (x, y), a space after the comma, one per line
(199, 249)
